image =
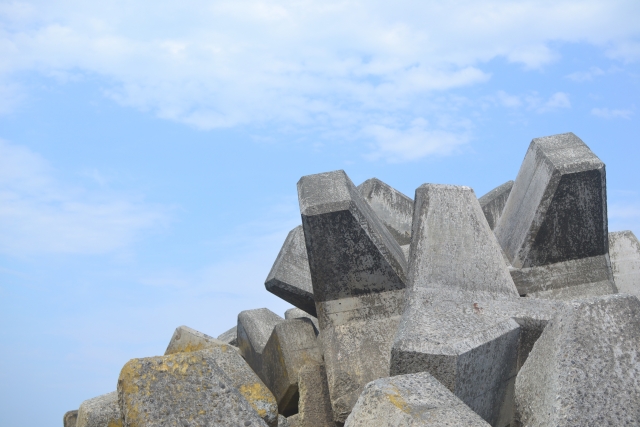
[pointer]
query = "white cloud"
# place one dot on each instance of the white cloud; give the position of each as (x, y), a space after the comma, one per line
(40, 214)
(606, 113)
(415, 142)
(584, 76)
(322, 66)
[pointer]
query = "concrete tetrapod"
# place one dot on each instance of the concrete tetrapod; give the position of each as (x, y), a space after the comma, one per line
(494, 201)
(314, 407)
(181, 390)
(291, 346)
(624, 250)
(584, 369)
(455, 262)
(358, 276)
(70, 418)
(101, 411)
(393, 208)
(290, 278)
(296, 313)
(227, 358)
(254, 330)
(556, 213)
(411, 400)
(230, 336)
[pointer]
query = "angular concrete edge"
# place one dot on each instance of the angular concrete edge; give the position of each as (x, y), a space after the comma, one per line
(624, 252)
(100, 411)
(254, 329)
(494, 201)
(186, 339)
(70, 418)
(290, 278)
(230, 336)
(394, 209)
(411, 400)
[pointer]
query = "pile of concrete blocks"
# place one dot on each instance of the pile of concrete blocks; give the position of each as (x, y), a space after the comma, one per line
(515, 309)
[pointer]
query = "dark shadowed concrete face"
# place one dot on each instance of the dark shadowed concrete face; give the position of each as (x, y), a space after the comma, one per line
(290, 278)
(350, 251)
(584, 370)
(394, 209)
(494, 201)
(557, 209)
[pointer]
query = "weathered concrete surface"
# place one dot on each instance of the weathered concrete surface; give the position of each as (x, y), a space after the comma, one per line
(70, 418)
(296, 313)
(185, 339)
(290, 278)
(282, 421)
(584, 369)
(181, 390)
(566, 280)
(227, 358)
(254, 330)
(230, 337)
(494, 201)
(358, 276)
(291, 346)
(411, 400)
(293, 421)
(393, 208)
(101, 411)
(624, 251)
(557, 209)
(314, 407)
(452, 246)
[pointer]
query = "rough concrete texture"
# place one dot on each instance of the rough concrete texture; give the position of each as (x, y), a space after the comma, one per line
(290, 278)
(282, 421)
(254, 330)
(411, 400)
(584, 369)
(230, 336)
(291, 346)
(70, 418)
(452, 246)
(292, 421)
(101, 411)
(314, 407)
(494, 201)
(358, 276)
(181, 390)
(227, 358)
(393, 208)
(571, 279)
(624, 250)
(185, 339)
(557, 209)
(296, 313)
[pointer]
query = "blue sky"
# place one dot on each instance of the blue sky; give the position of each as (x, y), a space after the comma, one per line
(149, 151)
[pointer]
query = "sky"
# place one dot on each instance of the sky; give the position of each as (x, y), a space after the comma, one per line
(149, 151)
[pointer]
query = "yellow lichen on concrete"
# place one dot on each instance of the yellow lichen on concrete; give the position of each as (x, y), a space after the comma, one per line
(115, 423)
(397, 401)
(257, 395)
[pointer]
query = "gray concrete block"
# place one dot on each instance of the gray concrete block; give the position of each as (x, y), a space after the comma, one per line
(296, 313)
(358, 276)
(293, 421)
(185, 339)
(393, 208)
(571, 279)
(227, 358)
(411, 400)
(557, 209)
(584, 369)
(452, 246)
(494, 201)
(282, 421)
(230, 336)
(101, 411)
(291, 346)
(254, 330)
(314, 407)
(70, 418)
(624, 251)
(182, 389)
(290, 278)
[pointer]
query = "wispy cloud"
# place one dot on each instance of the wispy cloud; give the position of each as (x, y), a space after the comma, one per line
(584, 76)
(317, 66)
(41, 214)
(607, 113)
